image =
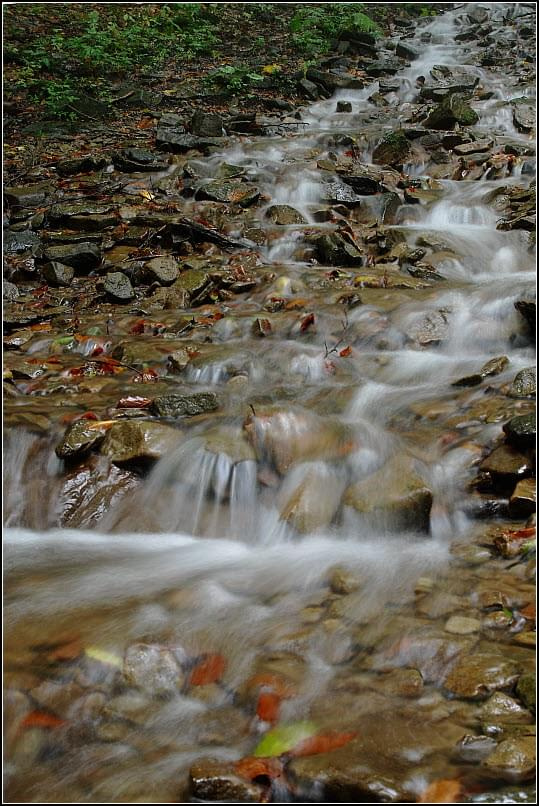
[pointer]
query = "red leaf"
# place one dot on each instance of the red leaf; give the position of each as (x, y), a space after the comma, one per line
(322, 743)
(307, 322)
(446, 790)
(209, 670)
(133, 402)
(268, 707)
(97, 351)
(346, 352)
(88, 415)
(528, 612)
(138, 328)
(41, 719)
(251, 768)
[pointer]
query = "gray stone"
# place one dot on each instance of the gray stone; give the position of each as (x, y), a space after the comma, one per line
(337, 193)
(82, 165)
(9, 291)
(407, 51)
(138, 160)
(284, 215)
(80, 256)
(190, 287)
(343, 106)
(163, 270)
(17, 242)
(453, 109)
(393, 149)
(27, 195)
(80, 438)
(178, 140)
(185, 405)
(58, 274)
(229, 192)
(506, 464)
(335, 250)
(521, 430)
(118, 286)
(206, 124)
(524, 384)
(152, 668)
(524, 117)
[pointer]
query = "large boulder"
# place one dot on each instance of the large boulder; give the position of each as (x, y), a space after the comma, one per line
(392, 149)
(395, 495)
(139, 441)
(453, 109)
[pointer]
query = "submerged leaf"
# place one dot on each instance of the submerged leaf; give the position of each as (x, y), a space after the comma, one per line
(446, 790)
(209, 670)
(322, 743)
(283, 739)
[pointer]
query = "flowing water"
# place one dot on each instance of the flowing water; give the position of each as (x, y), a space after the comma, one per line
(228, 550)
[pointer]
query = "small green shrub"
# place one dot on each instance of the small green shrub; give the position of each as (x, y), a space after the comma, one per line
(314, 27)
(233, 79)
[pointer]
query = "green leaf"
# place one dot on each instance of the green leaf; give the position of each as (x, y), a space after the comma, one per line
(284, 738)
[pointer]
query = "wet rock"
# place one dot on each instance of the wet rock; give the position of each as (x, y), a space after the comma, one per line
(57, 274)
(331, 81)
(139, 160)
(526, 690)
(337, 193)
(190, 287)
(527, 309)
(443, 89)
(431, 330)
(80, 438)
(395, 493)
(476, 676)
(375, 766)
(462, 625)
(185, 405)
(524, 117)
(313, 503)
(336, 250)
(139, 441)
(10, 291)
(229, 192)
(521, 431)
(85, 164)
(383, 67)
(393, 149)
(118, 286)
(175, 138)
(386, 85)
(284, 215)
(473, 749)
(524, 384)
(27, 196)
(17, 242)
(163, 270)
(152, 668)
(367, 180)
(214, 780)
(310, 89)
(513, 759)
(229, 171)
(82, 257)
(523, 500)
(506, 465)
(206, 124)
(476, 147)
(342, 582)
(229, 442)
(453, 109)
(492, 367)
(502, 708)
(478, 15)
(343, 106)
(406, 51)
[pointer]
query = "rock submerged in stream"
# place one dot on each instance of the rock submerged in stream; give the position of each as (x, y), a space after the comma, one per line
(211, 779)
(284, 215)
(393, 149)
(139, 441)
(185, 405)
(152, 668)
(395, 494)
(80, 438)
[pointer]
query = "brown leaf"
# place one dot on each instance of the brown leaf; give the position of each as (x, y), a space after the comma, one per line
(446, 790)
(322, 743)
(209, 670)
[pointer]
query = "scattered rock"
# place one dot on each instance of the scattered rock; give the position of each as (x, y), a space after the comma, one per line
(190, 287)
(462, 625)
(152, 668)
(139, 441)
(524, 384)
(185, 405)
(452, 110)
(313, 503)
(492, 367)
(393, 149)
(335, 250)
(57, 274)
(513, 759)
(343, 106)
(214, 780)
(523, 500)
(406, 51)
(80, 165)
(139, 160)
(80, 438)
(163, 270)
(118, 286)
(521, 431)
(284, 215)
(82, 257)
(206, 124)
(526, 690)
(396, 494)
(477, 676)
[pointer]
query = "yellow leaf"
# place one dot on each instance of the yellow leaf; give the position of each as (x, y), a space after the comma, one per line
(271, 68)
(101, 655)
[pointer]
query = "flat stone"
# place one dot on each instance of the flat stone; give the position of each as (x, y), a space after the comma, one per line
(206, 124)
(185, 405)
(526, 690)
(501, 707)
(524, 118)
(476, 676)
(453, 109)
(138, 160)
(178, 140)
(80, 256)
(229, 192)
(139, 441)
(27, 195)
(313, 503)
(506, 461)
(513, 759)
(14, 243)
(189, 287)
(461, 625)
(475, 147)
(392, 149)
(284, 215)
(82, 165)
(493, 367)
(407, 51)
(163, 270)
(335, 250)
(10, 291)
(337, 193)
(523, 500)
(396, 493)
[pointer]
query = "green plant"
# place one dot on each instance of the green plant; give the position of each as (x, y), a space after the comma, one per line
(233, 79)
(314, 27)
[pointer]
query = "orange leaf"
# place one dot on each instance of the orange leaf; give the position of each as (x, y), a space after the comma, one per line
(41, 326)
(209, 670)
(529, 611)
(41, 719)
(145, 123)
(66, 652)
(268, 707)
(322, 743)
(446, 790)
(346, 352)
(138, 328)
(251, 768)
(307, 322)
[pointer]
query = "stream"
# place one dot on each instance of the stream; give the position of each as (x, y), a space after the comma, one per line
(315, 551)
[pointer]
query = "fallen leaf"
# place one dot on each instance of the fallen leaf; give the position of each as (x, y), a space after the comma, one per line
(268, 707)
(133, 402)
(284, 738)
(66, 652)
(41, 719)
(209, 670)
(322, 743)
(103, 656)
(307, 322)
(346, 352)
(446, 790)
(529, 611)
